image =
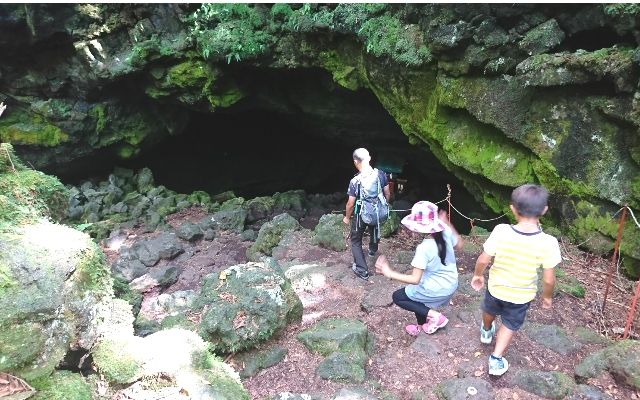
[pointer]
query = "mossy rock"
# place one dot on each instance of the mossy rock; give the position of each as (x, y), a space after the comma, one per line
(621, 360)
(234, 319)
(44, 268)
(254, 361)
(456, 389)
(338, 335)
(343, 367)
(390, 226)
(588, 336)
(22, 127)
(115, 359)
(270, 235)
(329, 232)
(552, 337)
(27, 195)
(62, 385)
(547, 384)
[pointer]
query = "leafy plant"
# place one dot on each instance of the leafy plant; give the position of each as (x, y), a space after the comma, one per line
(232, 32)
(387, 36)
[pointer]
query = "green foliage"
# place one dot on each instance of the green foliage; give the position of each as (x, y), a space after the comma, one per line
(622, 9)
(27, 195)
(350, 16)
(99, 112)
(92, 270)
(233, 32)
(388, 36)
(122, 291)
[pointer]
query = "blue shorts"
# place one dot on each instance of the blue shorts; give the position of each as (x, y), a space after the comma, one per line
(512, 314)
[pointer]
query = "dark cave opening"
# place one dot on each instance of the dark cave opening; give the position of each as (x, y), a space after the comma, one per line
(296, 130)
(596, 39)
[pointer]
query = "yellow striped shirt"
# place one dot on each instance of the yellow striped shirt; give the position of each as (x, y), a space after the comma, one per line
(513, 277)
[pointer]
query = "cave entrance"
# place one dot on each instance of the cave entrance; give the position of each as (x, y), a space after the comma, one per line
(297, 130)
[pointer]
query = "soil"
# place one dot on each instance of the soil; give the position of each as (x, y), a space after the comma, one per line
(404, 366)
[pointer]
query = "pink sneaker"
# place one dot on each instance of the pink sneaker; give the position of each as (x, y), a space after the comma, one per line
(413, 330)
(434, 324)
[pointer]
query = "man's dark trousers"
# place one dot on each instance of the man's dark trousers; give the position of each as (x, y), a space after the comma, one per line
(357, 231)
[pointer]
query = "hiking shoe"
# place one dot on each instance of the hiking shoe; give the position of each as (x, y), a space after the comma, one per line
(362, 275)
(497, 366)
(486, 337)
(433, 324)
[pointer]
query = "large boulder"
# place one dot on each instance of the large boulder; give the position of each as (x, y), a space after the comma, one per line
(54, 288)
(329, 232)
(345, 343)
(246, 304)
(621, 360)
(167, 363)
(270, 234)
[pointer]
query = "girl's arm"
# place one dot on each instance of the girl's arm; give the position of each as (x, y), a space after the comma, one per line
(445, 218)
(383, 267)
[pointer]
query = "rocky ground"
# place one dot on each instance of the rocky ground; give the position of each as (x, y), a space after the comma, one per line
(403, 367)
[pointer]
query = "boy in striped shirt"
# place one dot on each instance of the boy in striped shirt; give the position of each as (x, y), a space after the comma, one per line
(517, 251)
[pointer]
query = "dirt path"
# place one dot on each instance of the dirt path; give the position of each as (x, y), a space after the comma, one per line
(404, 366)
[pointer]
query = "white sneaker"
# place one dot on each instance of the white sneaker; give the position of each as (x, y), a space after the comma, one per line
(498, 366)
(486, 337)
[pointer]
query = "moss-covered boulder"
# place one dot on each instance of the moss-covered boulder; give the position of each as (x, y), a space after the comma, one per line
(252, 362)
(621, 360)
(345, 343)
(46, 268)
(330, 232)
(63, 385)
(165, 363)
(246, 304)
(548, 384)
(270, 235)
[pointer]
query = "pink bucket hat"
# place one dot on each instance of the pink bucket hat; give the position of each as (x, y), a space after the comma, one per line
(423, 218)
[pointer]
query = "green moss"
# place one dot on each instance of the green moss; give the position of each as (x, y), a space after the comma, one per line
(225, 382)
(479, 148)
(190, 74)
(569, 284)
(113, 361)
(26, 128)
(99, 113)
(62, 385)
(20, 345)
(92, 270)
(28, 195)
(342, 69)
(122, 291)
(126, 151)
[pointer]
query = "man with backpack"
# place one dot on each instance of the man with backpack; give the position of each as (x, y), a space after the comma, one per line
(368, 202)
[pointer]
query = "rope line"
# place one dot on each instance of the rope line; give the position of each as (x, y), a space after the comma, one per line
(633, 216)
(475, 219)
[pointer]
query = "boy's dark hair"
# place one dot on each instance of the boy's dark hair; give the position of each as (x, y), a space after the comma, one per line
(530, 200)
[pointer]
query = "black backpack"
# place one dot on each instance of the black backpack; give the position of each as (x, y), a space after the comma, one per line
(372, 206)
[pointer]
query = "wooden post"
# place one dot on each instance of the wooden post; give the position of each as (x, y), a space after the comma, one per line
(632, 311)
(614, 259)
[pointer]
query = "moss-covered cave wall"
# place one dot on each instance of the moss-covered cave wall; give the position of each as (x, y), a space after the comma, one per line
(502, 94)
